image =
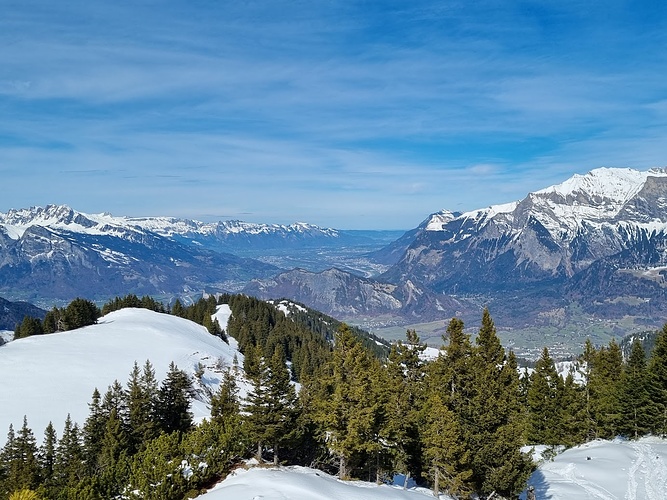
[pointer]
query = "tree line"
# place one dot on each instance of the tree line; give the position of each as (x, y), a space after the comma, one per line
(456, 422)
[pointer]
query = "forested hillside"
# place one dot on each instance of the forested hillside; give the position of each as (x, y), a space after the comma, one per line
(456, 423)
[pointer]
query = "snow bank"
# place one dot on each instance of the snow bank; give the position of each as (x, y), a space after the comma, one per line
(48, 376)
(303, 483)
(606, 470)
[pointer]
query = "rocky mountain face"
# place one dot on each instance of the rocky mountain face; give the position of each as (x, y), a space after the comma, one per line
(12, 313)
(597, 241)
(56, 253)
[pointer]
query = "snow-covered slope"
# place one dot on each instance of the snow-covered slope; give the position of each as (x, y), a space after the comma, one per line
(605, 470)
(303, 483)
(48, 376)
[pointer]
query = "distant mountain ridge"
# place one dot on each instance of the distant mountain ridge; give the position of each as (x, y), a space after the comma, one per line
(597, 240)
(56, 252)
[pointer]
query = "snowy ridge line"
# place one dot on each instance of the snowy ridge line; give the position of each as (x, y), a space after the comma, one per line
(595, 199)
(17, 221)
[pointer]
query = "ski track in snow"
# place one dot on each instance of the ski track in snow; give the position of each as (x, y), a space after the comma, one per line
(592, 490)
(649, 464)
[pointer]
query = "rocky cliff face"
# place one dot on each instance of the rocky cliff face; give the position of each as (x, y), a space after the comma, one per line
(600, 238)
(56, 253)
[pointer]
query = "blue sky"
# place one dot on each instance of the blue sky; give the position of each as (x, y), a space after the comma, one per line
(339, 113)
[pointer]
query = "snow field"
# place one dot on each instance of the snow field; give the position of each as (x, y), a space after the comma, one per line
(46, 377)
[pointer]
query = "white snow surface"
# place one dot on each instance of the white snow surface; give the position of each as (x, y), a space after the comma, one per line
(303, 483)
(16, 221)
(605, 470)
(46, 377)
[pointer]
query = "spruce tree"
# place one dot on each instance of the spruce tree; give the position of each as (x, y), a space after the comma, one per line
(446, 456)
(173, 404)
(47, 454)
(657, 372)
(400, 432)
(68, 465)
(545, 423)
(282, 401)
(638, 411)
(605, 387)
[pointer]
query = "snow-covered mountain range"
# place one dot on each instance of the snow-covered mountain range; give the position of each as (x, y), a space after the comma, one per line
(598, 241)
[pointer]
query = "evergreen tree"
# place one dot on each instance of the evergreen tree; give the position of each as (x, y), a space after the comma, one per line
(282, 403)
(496, 427)
(68, 466)
(79, 313)
(47, 453)
(446, 455)
(574, 414)
(141, 396)
(28, 327)
(604, 388)
(657, 372)
(545, 424)
(400, 432)
(157, 472)
(637, 409)
(173, 404)
(257, 404)
(20, 461)
(93, 434)
(347, 409)
(225, 402)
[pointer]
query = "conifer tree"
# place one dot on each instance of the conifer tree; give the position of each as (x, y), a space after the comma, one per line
(400, 430)
(447, 458)
(93, 434)
(496, 427)
(174, 401)
(20, 460)
(225, 403)
(638, 411)
(657, 372)
(141, 396)
(574, 414)
(604, 387)
(545, 422)
(47, 453)
(282, 403)
(68, 465)
(346, 409)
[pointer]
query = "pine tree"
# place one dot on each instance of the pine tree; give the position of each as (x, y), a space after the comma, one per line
(604, 387)
(637, 409)
(68, 466)
(657, 372)
(400, 429)
(141, 397)
(173, 405)
(47, 453)
(446, 456)
(545, 424)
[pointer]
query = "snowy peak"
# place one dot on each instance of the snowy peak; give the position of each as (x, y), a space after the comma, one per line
(16, 221)
(613, 184)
